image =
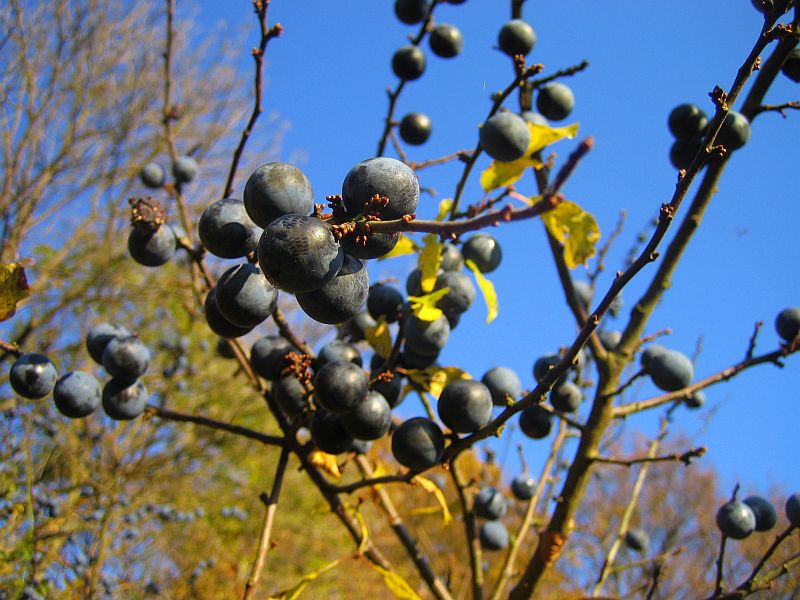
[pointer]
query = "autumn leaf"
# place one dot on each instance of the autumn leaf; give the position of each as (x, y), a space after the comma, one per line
(429, 260)
(424, 307)
(396, 584)
(294, 592)
(576, 229)
(405, 245)
(326, 462)
(379, 338)
(435, 379)
(487, 289)
(445, 206)
(13, 288)
(432, 488)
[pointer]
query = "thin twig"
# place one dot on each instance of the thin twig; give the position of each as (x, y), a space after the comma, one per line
(600, 264)
(685, 458)
(470, 529)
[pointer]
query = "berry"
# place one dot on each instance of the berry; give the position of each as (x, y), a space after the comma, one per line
(516, 37)
(244, 296)
(152, 175)
(290, 395)
(446, 41)
(299, 253)
(695, 400)
(736, 520)
(339, 299)
(411, 12)
(385, 177)
(791, 68)
(535, 422)
(410, 359)
(418, 443)
(503, 384)
(649, 353)
(523, 486)
(493, 535)
(465, 405)
(408, 62)
(793, 509)
(670, 370)
(787, 323)
(152, 248)
(391, 390)
(484, 251)
(415, 128)
(33, 376)
(375, 245)
(185, 169)
(337, 350)
(505, 136)
(490, 503)
(126, 358)
(217, 322)
(340, 386)
(226, 230)
(543, 365)
(268, 356)
(765, 513)
(460, 295)
(98, 337)
(452, 259)
(277, 189)
(356, 326)
(735, 131)
(124, 400)
(534, 118)
(555, 101)
(566, 397)
(637, 539)
(426, 338)
(682, 152)
(77, 394)
(224, 349)
(370, 419)
(687, 122)
(328, 433)
(385, 301)
(609, 338)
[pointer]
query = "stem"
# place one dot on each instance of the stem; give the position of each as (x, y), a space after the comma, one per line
(471, 530)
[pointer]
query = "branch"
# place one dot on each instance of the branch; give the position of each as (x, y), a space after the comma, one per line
(471, 530)
(751, 582)
(261, 7)
(685, 458)
(779, 108)
(374, 481)
(271, 503)
(172, 415)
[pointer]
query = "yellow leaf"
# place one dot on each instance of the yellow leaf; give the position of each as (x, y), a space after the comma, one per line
(13, 288)
(294, 592)
(444, 208)
(543, 135)
(432, 488)
(362, 547)
(424, 307)
(396, 584)
(435, 379)
(326, 462)
(429, 260)
(487, 289)
(500, 174)
(576, 229)
(405, 245)
(379, 338)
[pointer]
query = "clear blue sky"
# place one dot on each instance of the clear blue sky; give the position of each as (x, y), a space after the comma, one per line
(327, 77)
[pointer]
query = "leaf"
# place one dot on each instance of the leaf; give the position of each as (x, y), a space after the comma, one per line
(362, 547)
(405, 245)
(543, 135)
(429, 260)
(445, 206)
(13, 288)
(294, 592)
(501, 174)
(396, 584)
(424, 307)
(379, 338)
(432, 488)
(576, 229)
(487, 289)
(326, 462)
(435, 379)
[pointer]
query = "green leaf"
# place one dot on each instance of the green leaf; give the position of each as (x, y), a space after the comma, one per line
(13, 288)
(576, 229)
(424, 307)
(396, 584)
(294, 592)
(487, 289)
(429, 260)
(379, 338)
(405, 245)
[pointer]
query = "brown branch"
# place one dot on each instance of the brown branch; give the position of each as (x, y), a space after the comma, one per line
(12, 349)
(470, 529)
(288, 334)
(418, 166)
(373, 481)
(685, 458)
(261, 7)
(271, 504)
(748, 584)
(779, 108)
(600, 265)
(172, 415)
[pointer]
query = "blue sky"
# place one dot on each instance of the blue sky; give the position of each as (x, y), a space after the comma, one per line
(327, 78)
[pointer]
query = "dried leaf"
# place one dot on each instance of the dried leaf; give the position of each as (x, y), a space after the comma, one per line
(487, 289)
(396, 584)
(326, 462)
(379, 338)
(13, 288)
(576, 229)
(294, 592)
(432, 488)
